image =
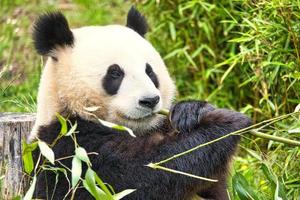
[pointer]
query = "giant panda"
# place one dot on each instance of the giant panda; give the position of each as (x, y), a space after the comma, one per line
(117, 70)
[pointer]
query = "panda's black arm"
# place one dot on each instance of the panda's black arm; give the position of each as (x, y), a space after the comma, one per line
(122, 159)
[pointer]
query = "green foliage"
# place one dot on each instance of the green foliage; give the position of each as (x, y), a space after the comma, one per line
(242, 188)
(46, 151)
(20, 66)
(237, 54)
(76, 171)
(27, 155)
(242, 55)
(30, 192)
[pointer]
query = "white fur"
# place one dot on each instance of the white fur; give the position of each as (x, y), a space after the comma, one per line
(75, 81)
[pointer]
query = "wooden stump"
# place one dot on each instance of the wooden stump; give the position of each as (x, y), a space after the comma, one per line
(13, 128)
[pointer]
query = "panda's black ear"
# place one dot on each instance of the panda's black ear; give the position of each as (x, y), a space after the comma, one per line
(136, 21)
(51, 30)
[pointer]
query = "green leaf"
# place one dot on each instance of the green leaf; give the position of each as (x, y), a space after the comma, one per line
(228, 71)
(123, 128)
(242, 188)
(122, 194)
(172, 31)
(76, 170)
(29, 147)
(28, 162)
(46, 151)
(277, 187)
(29, 193)
(250, 23)
(189, 58)
(63, 123)
(280, 191)
(117, 127)
(72, 129)
(103, 186)
(276, 194)
(296, 130)
(90, 185)
(27, 155)
(253, 153)
(297, 108)
(82, 155)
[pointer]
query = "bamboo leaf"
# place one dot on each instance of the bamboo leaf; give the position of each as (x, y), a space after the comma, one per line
(122, 194)
(63, 123)
(172, 31)
(103, 186)
(276, 194)
(228, 71)
(91, 185)
(28, 162)
(276, 185)
(29, 193)
(76, 171)
(46, 151)
(82, 155)
(117, 127)
(242, 188)
(27, 155)
(72, 129)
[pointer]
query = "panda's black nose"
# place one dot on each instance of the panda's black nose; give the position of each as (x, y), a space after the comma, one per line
(149, 102)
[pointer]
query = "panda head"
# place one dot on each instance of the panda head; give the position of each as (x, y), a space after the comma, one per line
(111, 67)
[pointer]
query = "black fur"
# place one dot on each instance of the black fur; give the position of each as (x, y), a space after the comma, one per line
(152, 75)
(121, 158)
(113, 79)
(51, 30)
(186, 117)
(137, 21)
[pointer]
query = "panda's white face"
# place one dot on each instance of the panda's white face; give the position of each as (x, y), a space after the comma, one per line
(125, 70)
(110, 67)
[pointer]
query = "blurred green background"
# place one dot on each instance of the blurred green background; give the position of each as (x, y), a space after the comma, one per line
(239, 54)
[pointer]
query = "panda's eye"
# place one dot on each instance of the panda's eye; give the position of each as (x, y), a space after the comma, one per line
(115, 72)
(152, 75)
(149, 70)
(112, 80)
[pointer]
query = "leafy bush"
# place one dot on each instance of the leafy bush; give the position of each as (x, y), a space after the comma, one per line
(239, 54)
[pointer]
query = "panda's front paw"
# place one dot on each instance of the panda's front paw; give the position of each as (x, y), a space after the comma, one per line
(186, 115)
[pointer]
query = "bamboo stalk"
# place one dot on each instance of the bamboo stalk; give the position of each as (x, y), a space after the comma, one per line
(275, 138)
(156, 166)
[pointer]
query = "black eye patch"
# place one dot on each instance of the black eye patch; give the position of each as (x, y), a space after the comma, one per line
(113, 79)
(152, 75)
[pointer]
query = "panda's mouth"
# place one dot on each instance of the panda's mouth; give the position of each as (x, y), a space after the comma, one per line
(137, 119)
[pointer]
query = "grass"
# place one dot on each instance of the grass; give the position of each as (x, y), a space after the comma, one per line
(242, 55)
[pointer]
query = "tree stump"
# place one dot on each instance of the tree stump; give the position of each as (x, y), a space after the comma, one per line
(13, 128)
